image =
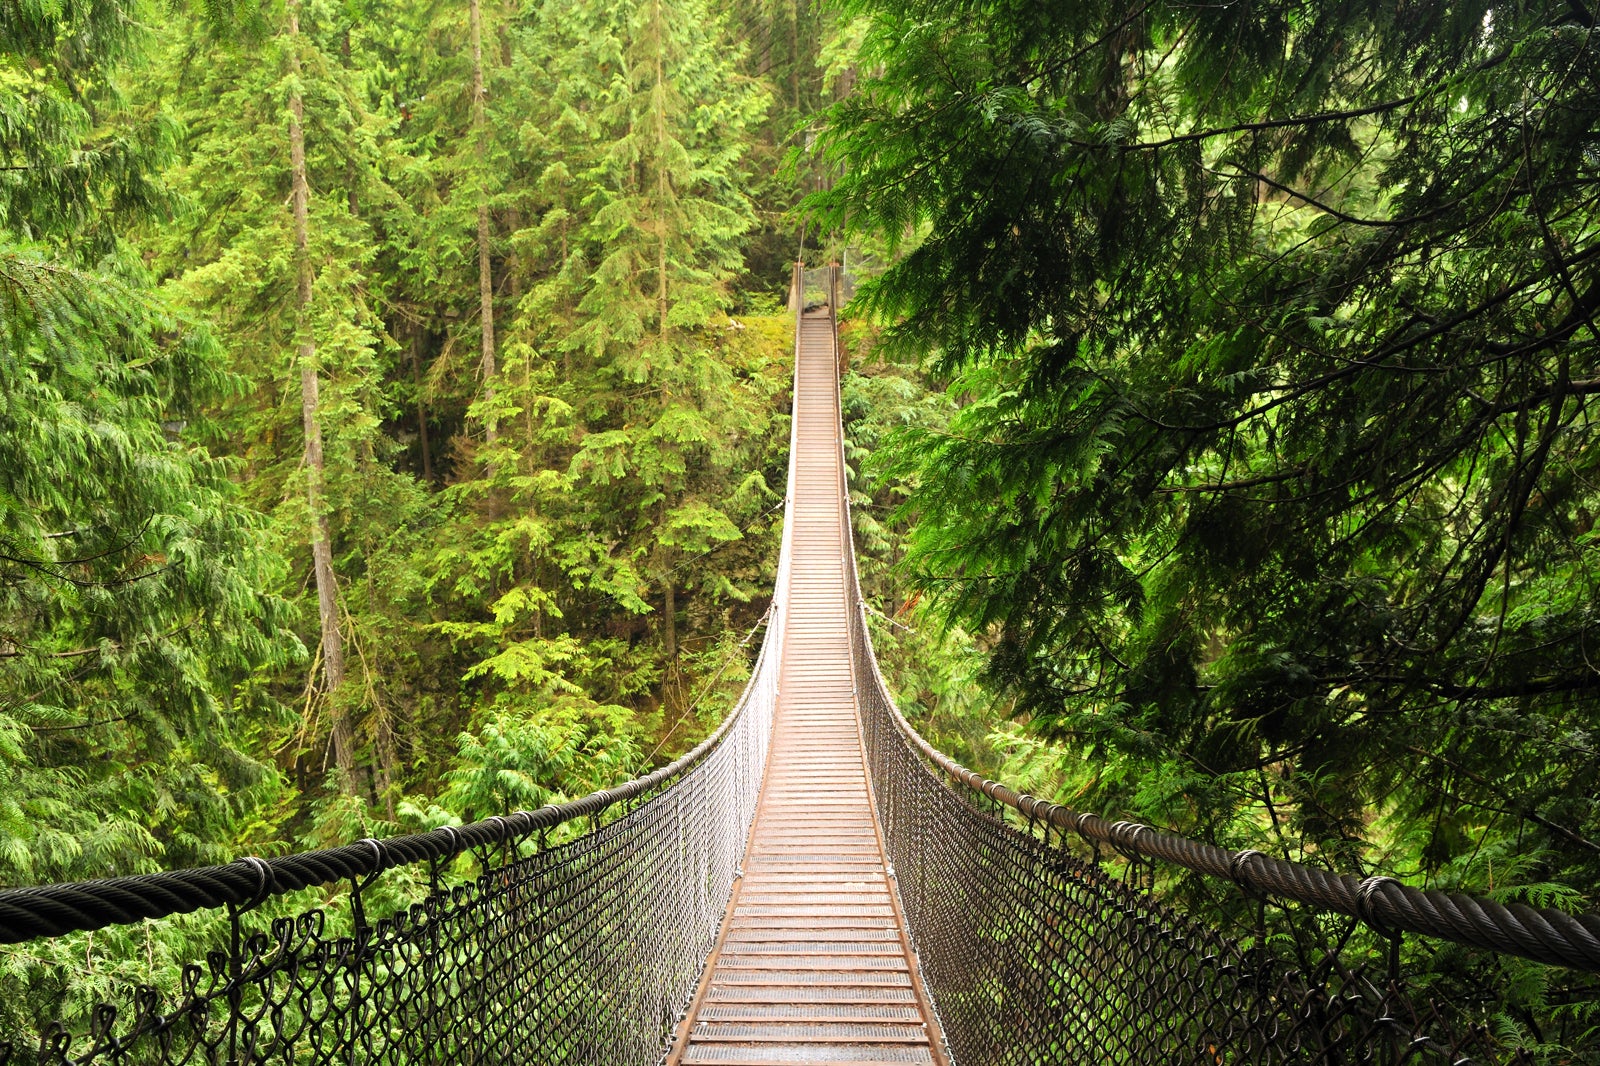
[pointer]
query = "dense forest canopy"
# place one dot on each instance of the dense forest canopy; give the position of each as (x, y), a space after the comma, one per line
(1274, 483)
(392, 421)
(392, 405)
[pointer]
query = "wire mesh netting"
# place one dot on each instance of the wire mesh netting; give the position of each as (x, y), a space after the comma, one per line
(818, 286)
(578, 952)
(587, 950)
(1034, 956)
(584, 952)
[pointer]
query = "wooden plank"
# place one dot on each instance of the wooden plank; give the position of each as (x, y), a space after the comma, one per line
(813, 954)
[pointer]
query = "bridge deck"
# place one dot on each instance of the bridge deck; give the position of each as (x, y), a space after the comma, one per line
(814, 964)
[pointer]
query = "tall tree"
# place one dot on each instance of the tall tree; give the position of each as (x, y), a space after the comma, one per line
(480, 139)
(285, 276)
(666, 237)
(332, 640)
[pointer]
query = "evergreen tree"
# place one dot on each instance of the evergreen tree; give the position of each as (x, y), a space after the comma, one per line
(332, 640)
(130, 616)
(667, 217)
(278, 254)
(467, 269)
(461, 177)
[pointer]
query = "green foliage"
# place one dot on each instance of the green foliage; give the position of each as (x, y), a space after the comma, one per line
(132, 621)
(525, 615)
(932, 669)
(491, 597)
(1272, 332)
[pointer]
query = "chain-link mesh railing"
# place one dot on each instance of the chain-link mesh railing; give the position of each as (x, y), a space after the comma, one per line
(586, 949)
(583, 952)
(1034, 955)
(818, 286)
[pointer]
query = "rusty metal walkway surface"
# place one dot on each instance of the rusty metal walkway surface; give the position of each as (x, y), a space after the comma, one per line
(813, 964)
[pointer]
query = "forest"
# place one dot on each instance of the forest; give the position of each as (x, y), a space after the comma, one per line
(393, 406)
(394, 420)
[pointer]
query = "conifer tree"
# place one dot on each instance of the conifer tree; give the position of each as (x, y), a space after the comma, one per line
(282, 269)
(1273, 488)
(480, 139)
(130, 610)
(332, 641)
(665, 235)
(510, 233)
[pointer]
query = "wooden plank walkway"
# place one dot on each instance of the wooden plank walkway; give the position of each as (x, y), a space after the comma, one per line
(814, 964)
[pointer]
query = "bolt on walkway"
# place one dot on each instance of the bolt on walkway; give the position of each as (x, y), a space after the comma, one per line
(814, 964)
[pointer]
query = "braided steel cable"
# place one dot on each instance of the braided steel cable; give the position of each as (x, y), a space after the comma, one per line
(1542, 934)
(582, 953)
(1033, 956)
(1036, 957)
(53, 910)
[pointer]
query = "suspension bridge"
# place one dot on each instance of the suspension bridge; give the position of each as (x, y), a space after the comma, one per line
(815, 883)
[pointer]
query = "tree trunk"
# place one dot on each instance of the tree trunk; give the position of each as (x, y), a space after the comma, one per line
(388, 762)
(321, 542)
(794, 60)
(669, 620)
(352, 197)
(663, 186)
(669, 605)
(764, 64)
(513, 263)
(663, 190)
(480, 129)
(422, 407)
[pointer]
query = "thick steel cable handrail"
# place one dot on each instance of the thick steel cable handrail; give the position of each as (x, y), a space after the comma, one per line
(578, 949)
(1384, 903)
(53, 910)
(1035, 956)
(1539, 933)
(31, 912)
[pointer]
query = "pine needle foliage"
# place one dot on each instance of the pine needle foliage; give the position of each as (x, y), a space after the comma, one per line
(539, 568)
